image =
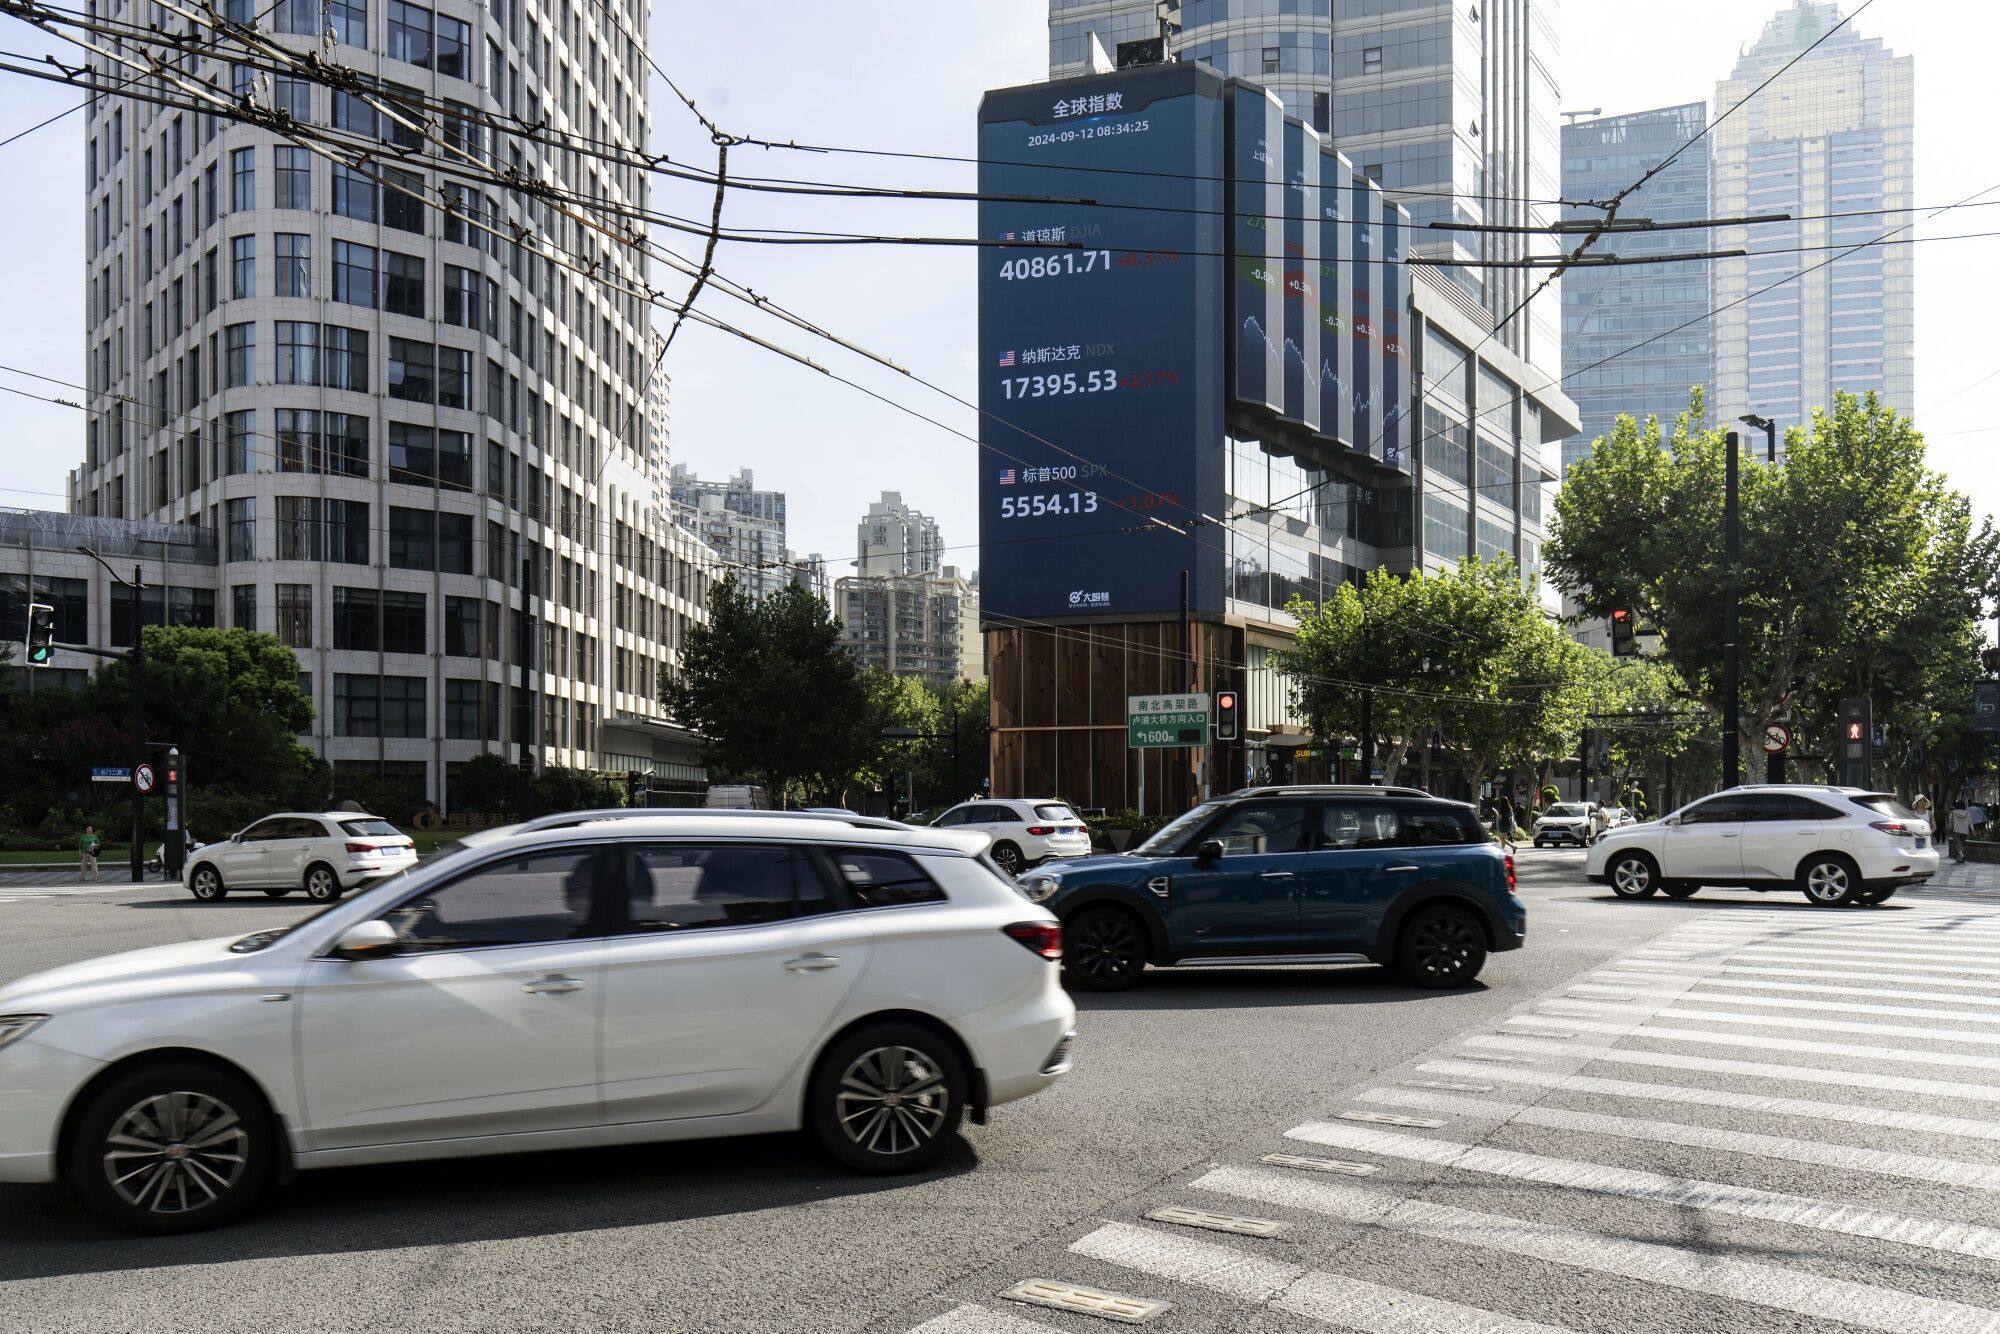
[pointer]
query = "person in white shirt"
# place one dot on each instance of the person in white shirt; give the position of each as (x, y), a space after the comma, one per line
(1964, 819)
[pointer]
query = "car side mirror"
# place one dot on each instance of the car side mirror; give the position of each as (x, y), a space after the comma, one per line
(366, 940)
(1671, 821)
(1208, 850)
(236, 837)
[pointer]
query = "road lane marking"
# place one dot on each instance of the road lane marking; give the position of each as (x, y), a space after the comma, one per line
(1305, 1163)
(1848, 974)
(1812, 1295)
(1391, 1119)
(1803, 1074)
(966, 1319)
(1317, 1294)
(1956, 1060)
(1113, 1306)
(1933, 1234)
(1820, 1153)
(1695, 979)
(1829, 958)
(1861, 1028)
(1923, 1123)
(1797, 1003)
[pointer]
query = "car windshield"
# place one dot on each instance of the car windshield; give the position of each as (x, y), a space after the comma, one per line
(370, 828)
(1567, 808)
(1056, 813)
(1175, 833)
(1884, 804)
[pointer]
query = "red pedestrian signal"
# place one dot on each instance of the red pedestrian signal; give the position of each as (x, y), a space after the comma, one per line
(1854, 731)
(1624, 634)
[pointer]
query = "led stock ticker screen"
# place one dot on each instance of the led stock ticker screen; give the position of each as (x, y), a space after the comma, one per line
(1100, 358)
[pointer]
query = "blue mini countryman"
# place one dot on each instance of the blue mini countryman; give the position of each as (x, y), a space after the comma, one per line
(1327, 874)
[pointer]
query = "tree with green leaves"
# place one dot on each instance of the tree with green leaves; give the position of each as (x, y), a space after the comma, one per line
(772, 692)
(1860, 568)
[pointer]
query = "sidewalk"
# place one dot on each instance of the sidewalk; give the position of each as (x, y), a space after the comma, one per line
(1965, 877)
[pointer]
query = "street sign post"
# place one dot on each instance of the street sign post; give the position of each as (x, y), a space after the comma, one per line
(1157, 722)
(1777, 738)
(104, 773)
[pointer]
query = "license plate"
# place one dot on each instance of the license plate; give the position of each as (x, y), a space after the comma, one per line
(1923, 843)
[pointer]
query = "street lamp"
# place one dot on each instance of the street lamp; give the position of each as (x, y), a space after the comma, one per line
(137, 657)
(1770, 430)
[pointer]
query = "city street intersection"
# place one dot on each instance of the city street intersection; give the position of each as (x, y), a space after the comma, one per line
(1735, 1112)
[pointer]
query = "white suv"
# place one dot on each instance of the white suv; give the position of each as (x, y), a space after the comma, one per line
(1565, 822)
(1026, 831)
(864, 980)
(325, 854)
(1837, 845)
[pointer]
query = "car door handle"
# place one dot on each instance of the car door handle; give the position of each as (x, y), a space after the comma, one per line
(551, 985)
(1730, 836)
(812, 963)
(1402, 868)
(1275, 875)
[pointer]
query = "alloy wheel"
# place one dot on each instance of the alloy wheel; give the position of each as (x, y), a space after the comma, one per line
(173, 1153)
(1444, 946)
(892, 1100)
(1828, 883)
(1632, 878)
(207, 885)
(1106, 950)
(1008, 858)
(320, 884)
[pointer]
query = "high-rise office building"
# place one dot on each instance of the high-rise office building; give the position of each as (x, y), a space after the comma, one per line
(1608, 310)
(659, 421)
(403, 432)
(1450, 106)
(893, 538)
(1833, 135)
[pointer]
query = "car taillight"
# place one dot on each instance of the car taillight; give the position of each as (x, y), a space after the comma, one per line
(1044, 938)
(1512, 888)
(1895, 826)
(1040, 829)
(361, 847)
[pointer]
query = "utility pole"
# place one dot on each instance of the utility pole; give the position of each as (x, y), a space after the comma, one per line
(526, 728)
(1583, 755)
(1367, 703)
(1770, 429)
(138, 732)
(1732, 739)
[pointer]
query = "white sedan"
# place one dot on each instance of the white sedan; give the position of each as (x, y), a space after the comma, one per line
(864, 980)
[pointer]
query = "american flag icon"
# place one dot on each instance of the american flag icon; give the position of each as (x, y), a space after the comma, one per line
(1006, 236)
(1006, 477)
(1007, 357)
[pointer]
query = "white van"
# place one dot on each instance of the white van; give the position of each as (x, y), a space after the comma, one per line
(737, 797)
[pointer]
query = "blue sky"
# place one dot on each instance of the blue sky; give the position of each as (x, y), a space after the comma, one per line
(908, 76)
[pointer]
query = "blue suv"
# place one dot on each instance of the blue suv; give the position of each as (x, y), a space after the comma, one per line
(1292, 874)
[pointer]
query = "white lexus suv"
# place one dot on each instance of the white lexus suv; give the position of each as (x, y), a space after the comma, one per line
(1026, 831)
(326, 854)
(585, 979)
(1837, 845)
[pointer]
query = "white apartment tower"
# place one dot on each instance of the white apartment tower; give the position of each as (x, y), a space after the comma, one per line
(404, 432)
(893, 538)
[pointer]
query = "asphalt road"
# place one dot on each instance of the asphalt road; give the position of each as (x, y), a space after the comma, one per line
(1181, 1087)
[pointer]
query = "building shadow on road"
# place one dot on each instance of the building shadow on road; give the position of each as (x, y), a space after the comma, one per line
(45, 1232)
(1258, 986)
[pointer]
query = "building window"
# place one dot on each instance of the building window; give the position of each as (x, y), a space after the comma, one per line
(461, 627)
(402, 284)
(349, 21)
(240, 521)
(243, 606)
(402, 622)
(403, 706)
(294, 270)
(239, 348)
(454, 377)
(347, 531)
(454, 460)
(412, 370)
(356, 618)
(454, 543)
(295, 615)
(412, 535)
(461, 710)
(412, 454)
(461, 297)
(294, 173)
(1273, 56)
(357, 705)
(242, 180)
(237, 429)
(1371, 60)
(242, 268)
(298, 442)
(346, 437)
(354, 273)
(346, 358)
(353, 194)
(403, 200)
(454, 42)
(298, 361)
(409, 33)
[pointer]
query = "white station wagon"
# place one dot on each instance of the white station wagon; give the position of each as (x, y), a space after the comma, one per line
(326, 854)
(586, 979)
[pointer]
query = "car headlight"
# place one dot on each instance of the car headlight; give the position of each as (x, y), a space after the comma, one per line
(16, 1026)
(1040, 888)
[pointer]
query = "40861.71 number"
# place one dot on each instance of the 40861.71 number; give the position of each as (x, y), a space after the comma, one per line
(1062, 265)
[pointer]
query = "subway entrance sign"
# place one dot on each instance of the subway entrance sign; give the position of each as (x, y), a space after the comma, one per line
(1157, 722)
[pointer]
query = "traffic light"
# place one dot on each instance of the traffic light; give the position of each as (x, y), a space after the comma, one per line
(41, 633)
(1228, 716)
(1624, 634)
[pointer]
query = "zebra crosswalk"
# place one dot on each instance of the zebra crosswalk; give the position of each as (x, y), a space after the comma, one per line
(1761, 1120)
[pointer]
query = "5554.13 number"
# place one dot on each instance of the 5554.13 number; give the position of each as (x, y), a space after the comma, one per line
(1035, 507)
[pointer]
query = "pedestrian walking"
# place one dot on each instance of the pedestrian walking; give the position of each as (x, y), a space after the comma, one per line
(1961, 829)
(87, 849)
(1503, 821)
(1922, 806)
